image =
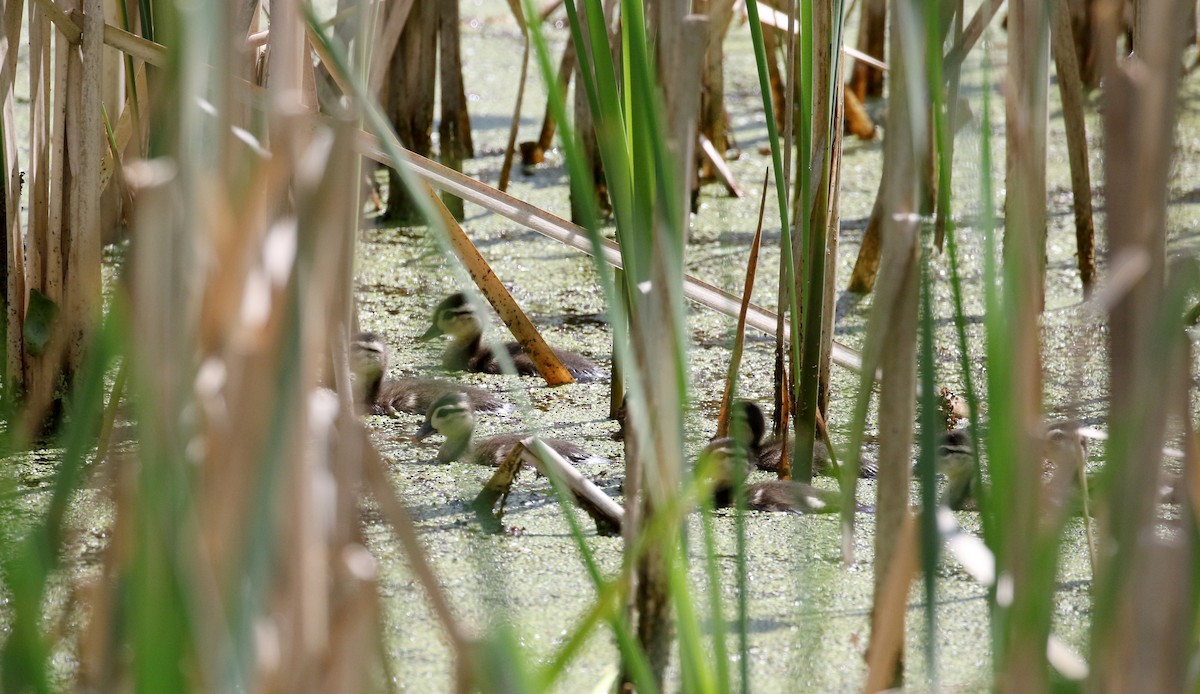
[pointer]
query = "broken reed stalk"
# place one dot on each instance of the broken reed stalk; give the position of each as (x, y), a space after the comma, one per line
(714, 159)
(739, 335)
(971, 35)
(548, 365)
(509, 149)
(1070, 89)
(607, 513)
(566, 68)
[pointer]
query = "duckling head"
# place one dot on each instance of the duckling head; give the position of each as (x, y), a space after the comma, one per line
(455, 317)
(749, 424)
(368, 364)
(451, 416)
(956, 454)
(956, 460)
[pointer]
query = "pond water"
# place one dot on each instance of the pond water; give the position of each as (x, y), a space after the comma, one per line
(808, 612)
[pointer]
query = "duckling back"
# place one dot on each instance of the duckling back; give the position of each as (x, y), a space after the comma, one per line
(416, 395)
(369, 363)
(791, 496)
(494, 450)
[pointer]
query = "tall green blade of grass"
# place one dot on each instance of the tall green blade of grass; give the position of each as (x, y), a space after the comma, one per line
(995, 327)
(930, 539)
(640, 176)
(785, 240)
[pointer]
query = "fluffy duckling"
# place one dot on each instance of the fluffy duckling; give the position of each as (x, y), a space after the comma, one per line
(956, 461)
(368, 365)
(456, 316)
(717, 461)
(768, 453)
(1064, 453)
(451, 415)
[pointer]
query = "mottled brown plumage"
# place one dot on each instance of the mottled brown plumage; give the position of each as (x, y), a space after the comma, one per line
(368, 363)
(456, 316)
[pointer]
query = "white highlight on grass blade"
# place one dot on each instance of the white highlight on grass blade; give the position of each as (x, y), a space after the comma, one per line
(969, 550)
(256, 299)
(279, 251)
(645, 287)
(1068, 663)
(359, 561)
(206, 106)
(210, 378)
(253, 142)
(1004, 590)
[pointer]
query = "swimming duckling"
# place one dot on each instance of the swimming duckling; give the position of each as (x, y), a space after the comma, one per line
(956, 460)
(1064, 453)
(717, 462)
(456, 316)
(368, 364)
(767, 454)
(453, 417)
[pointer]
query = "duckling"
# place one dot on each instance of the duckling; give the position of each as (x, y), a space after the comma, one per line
(956, 461)
(368, 364)
(456, 316)
(717, 461)
(767, 454)
(451, 415)
(1064, 452)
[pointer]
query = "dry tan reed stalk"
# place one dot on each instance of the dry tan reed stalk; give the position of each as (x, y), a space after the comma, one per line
(739, 334)
(1070, 87)
(86, 142)
(884, 656)
(716, 161)
(894, 323)
(385, 46)
(69, 22)
(841, 102)
(1131, 642)
(713, 124)
(510, 148)
(866, 81)
(14, 249)
(565, 69)
(548, 365)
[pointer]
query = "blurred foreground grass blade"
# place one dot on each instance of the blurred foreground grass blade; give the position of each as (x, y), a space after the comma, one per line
(1133, 641)
(29, 565)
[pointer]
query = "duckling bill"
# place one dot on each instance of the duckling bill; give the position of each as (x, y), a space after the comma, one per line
(453, 417)
(368, 365)
(457, 317)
